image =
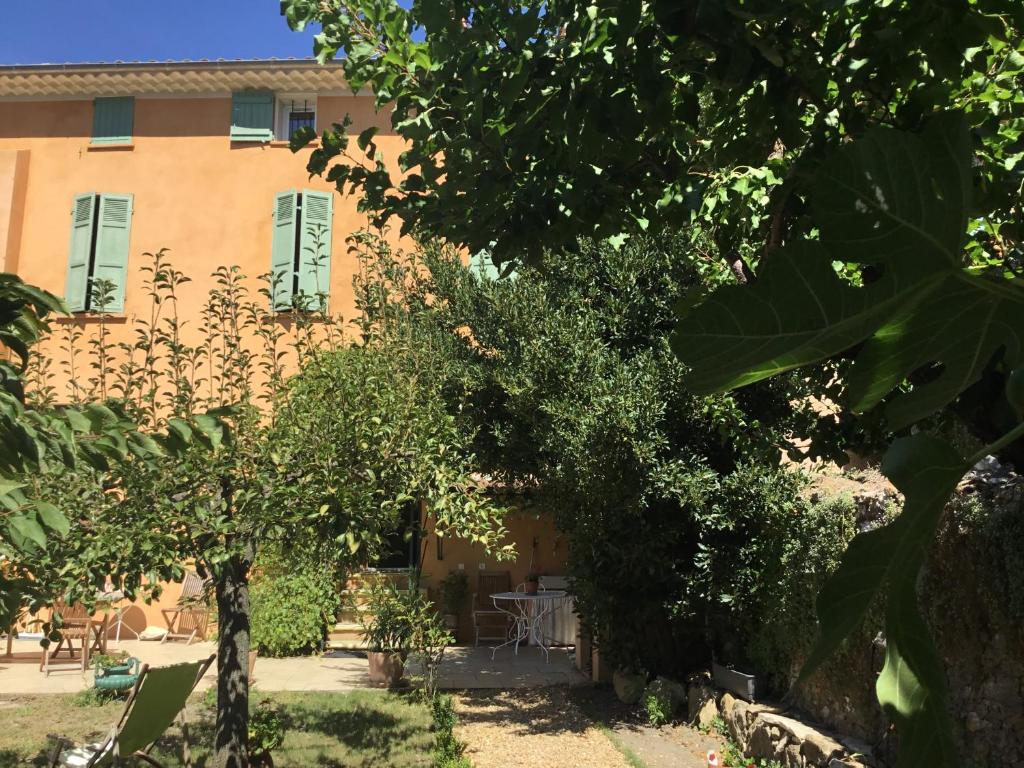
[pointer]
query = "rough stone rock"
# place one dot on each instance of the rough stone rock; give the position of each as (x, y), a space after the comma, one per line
(760, 744)
(698, 695)
(629, 686)
(860, 749)
(848, 762)
(794, 759)
(707, 714)
(974, 723)
(735, 713)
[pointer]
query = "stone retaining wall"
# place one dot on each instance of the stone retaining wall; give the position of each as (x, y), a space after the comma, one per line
(971, 596)
(769, 732)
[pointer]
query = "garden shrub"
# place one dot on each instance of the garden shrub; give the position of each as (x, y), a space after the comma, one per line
(448, 750)
(765, 571)
(266, 733)
(657, 709)
(291, 611)
(566, 384)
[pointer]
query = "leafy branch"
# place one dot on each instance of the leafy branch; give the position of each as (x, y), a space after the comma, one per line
(899, 203)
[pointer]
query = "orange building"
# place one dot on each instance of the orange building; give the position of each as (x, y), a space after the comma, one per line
(100, 163)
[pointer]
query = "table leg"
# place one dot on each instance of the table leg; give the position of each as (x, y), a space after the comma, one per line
(518, 632)
(537, 627)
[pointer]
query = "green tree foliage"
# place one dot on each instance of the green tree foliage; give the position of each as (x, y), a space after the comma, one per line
(559, 119)
(367, 424)
(52, 542)
(295, 467)
(897, 203)
(565, 379)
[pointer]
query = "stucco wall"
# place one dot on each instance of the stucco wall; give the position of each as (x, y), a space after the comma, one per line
(535, 538)
(210, 202)
(207, 199)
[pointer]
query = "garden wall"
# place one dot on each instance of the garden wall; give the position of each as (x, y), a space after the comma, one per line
(973, 596)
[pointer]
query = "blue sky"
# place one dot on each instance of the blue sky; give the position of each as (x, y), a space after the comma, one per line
(62, 31)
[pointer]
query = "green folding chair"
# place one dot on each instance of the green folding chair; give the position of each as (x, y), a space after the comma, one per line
(157, 699)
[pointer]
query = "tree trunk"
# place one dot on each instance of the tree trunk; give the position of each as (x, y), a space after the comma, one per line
(233, 663)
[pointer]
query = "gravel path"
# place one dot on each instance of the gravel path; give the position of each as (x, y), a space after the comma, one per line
(535, 727)
(673, 746)
(670, 747)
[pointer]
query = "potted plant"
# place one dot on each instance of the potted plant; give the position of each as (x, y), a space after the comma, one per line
(115, 672)
(387, 625)
(117, 663)
(532, 583)
(454, 591)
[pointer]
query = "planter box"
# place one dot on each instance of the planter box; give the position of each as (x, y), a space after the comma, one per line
(743, 685)
(385, 668)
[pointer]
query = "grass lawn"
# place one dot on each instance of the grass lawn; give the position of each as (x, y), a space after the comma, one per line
(339, 730)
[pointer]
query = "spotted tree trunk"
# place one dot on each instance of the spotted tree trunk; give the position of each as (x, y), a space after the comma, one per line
(232, 584)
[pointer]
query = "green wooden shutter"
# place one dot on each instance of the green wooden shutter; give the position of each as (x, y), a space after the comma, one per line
(282, 252)
(114, 225)
(314, 263)
(252, 116)
(113, 120)
(482, 263)
(76, 286)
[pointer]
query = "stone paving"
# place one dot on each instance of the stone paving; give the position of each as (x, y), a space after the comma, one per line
(463, 668)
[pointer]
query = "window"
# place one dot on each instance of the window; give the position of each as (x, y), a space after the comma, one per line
(262, 116)
(113, 120)
(294, 112)
(252, 116)
(300, 258)
(482, 265)
(100, 230)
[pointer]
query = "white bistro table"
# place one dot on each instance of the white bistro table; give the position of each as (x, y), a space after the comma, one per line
(110, 598)
(527, 612)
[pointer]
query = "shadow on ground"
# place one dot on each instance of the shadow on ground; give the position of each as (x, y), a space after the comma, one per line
(673, 746)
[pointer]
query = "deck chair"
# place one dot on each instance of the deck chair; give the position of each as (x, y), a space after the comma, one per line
(188, 619)
(158, 698)
(76, 624)
(486, 617)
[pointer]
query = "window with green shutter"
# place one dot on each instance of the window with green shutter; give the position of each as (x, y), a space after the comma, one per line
(100, 233)
(282, 252)
(252, 116)
(76, 287)
(313, 262)
(113, 120)
(482, 265)
(300, 260)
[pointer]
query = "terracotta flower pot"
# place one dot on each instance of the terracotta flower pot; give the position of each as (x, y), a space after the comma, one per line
(386, 668)
(532, 587)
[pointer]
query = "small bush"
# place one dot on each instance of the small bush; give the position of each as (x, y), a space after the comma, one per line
(291, 612)
(448, 750)
(90, 697)
(266, 733)
(658, 709)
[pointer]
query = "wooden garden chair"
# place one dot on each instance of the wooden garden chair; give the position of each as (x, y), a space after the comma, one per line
(76, 624)
(188, 619)
(157, 698)
(486, 617)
